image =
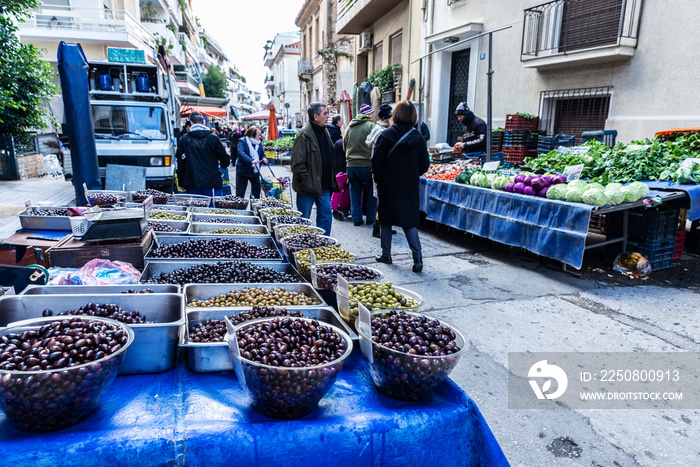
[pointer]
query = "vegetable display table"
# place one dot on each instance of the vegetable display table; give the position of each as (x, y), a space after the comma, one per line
(182, 418)
(551, 228)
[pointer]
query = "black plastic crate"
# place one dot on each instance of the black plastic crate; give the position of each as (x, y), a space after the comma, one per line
(653, 226)
(659, 254)
(546, 144)
(692, 239)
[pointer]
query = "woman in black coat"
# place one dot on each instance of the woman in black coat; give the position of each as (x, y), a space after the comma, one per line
(399, 158)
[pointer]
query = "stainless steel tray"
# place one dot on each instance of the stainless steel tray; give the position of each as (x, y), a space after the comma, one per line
(96, 289)
(175, 213)
(162, 207)
(215, 357)
(166, 239)
(155, 344)
(239, 212)
(182, 225)
(45, 222)
(154, 269)
(206, 291)
(122, 194)
(98, 214)
(204, 228)
(239, 219)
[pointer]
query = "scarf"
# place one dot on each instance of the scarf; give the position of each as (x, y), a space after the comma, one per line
(253, 145)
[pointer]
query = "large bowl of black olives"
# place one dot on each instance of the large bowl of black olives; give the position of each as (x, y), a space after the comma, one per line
(288, 372)
(409, 354)
(54, 370)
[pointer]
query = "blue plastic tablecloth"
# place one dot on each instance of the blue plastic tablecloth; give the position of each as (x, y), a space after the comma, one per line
(692, 203)
(556, 229)
(183, 418)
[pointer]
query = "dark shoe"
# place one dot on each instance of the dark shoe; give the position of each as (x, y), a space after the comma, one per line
(417, 265)
(357, 223)
(369, 222)
(393, 232)
(383, 259)
(375, 230)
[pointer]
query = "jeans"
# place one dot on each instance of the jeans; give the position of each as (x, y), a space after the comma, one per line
(411, 235)
(242, 184)
(324, 215)
(361, 183)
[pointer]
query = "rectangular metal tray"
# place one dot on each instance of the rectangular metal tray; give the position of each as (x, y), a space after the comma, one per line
(214, 356)
(96, 289)
(167, 239)
(240, 219)
(45, 222)
(203, 228)
(182, 225)
(206, 291)
(155, 344)
(239, 212)
(154, 269)
(175, 213)
(167, 207)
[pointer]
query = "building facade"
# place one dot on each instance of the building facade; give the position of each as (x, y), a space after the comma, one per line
(282, 81)
(327, 57)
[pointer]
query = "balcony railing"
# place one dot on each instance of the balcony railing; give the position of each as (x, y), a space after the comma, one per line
(344, 6)
(188, 78)
(564, 26)
(305, 67)
(354, 16)
(191, 48)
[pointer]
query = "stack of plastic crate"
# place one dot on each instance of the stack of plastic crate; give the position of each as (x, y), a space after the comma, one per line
(653, 234)
(546, 144)
(520, 138)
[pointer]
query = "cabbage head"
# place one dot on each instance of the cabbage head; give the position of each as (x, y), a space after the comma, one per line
(595, 186)
(613, 187)
(557, 192)
(577, 184)
(479, 179)
(641, 189)
(616, 197)
(596, 198)
(575, 195)
(499, 182)
(630, 194)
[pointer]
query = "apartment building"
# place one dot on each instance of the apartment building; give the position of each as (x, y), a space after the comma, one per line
(327, 60)
(282, 81)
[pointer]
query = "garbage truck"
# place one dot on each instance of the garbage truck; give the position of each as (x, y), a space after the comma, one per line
(135, 113)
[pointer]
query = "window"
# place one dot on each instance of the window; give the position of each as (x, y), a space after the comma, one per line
(127, 122)
(378, 51)
(587, 23)
(573, 111)
(395, 44)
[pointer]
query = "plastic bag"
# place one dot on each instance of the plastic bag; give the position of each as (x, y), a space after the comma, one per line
(632, 264)
(103, 272)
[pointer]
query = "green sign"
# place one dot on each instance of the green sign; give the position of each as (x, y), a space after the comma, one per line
(125, 55)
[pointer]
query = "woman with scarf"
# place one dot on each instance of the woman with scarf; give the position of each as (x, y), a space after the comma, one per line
(250, 155)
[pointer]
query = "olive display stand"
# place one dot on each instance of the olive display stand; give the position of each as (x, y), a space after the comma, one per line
(183, 418)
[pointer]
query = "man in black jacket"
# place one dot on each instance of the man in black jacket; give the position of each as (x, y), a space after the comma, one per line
(199, 155)
(474, 139)
(334, 128)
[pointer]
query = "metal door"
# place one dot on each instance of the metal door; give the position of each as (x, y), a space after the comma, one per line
(459, 80)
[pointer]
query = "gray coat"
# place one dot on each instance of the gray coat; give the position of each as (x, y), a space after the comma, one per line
(307, 165)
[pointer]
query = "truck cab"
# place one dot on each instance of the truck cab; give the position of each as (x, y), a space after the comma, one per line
(134, 113)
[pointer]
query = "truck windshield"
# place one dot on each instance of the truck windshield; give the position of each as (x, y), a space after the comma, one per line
(129, 122)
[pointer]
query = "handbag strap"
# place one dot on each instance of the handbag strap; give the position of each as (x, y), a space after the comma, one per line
(399, 141)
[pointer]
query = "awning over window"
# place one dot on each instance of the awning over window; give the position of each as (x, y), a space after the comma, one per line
(235, 113)
(186, 110)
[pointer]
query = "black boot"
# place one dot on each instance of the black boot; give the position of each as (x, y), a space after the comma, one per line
(383, 259)
(375, 230)
(417, 265)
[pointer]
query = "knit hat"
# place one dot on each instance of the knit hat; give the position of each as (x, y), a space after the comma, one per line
(366, 109)
(384, 112)
(462, 109)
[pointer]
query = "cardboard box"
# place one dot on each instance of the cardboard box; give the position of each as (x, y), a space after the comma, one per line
(71, 253)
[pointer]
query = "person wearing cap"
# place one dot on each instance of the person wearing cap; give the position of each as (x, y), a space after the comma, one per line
(359, 168)
(474, 139)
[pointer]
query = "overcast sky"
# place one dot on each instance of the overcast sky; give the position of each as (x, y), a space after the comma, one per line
(243, 26)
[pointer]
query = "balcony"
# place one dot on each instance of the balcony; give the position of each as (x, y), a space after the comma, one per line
(190, 48)
(269, 59)
(356, 16)
(270, 82)
(305, 69)
(562, 33)
(159, 30)
(110, 27)
(213, 45)
(187, 83)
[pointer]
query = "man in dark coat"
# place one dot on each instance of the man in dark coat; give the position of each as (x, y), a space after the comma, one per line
(313, 167)
(397, 165)
(474, 139)
(199, 156)
(334, 128)
(233, 142)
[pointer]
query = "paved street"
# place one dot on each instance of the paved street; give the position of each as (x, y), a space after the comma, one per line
(508, 302)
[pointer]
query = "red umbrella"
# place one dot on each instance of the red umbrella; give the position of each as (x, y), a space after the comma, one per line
(272, 132)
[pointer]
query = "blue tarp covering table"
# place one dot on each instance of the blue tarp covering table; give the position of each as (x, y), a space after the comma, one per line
(183, 418)
(692, 201)
(551, 228)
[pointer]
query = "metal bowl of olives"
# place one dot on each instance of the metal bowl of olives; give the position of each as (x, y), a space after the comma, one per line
(376, 296)
(325, 275)
(59, 379)
(286, 379)
(409, 354)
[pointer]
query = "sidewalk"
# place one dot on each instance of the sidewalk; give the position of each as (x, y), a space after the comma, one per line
(14, 193)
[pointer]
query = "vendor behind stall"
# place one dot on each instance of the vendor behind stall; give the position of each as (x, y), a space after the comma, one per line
(474, 139)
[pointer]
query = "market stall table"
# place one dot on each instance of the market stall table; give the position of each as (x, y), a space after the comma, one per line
(182, 418)
(551, 228)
